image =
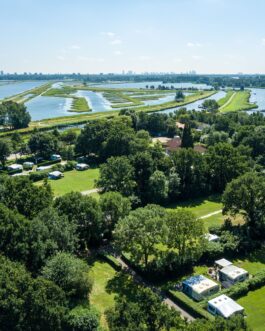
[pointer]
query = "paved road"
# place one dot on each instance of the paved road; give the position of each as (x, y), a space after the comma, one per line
(162, 294)
(210, 214)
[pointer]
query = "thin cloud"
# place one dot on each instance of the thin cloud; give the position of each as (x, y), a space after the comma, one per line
(60, 58)
(263, 41)
(115, 42)
(144, 58)
(118, 53)
(196, 57)
(192, 44)
(75, 47)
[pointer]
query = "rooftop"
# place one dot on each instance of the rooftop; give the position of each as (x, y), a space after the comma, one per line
(233, 271)
(200, 283)
(223, 263)
(225, 305)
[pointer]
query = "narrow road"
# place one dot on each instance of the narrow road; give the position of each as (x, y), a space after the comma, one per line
(210, 214)
(139, 279)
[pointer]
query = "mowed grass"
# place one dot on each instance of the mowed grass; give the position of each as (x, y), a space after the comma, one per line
(201, 206)
(74, 180)
(80, 105)
(254, 303)
(254, 262)
(102, 299)
(239, 101)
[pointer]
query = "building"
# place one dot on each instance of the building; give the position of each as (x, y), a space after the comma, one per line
(232, 274)
(56, 157)
(28, 165)
(212, 237)
(224, 306)
(81, 166)
(173, 144)
(15, 167)
(55, 175)
(199, 287)
(222, 263)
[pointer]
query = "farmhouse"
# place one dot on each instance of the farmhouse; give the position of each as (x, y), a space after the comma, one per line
(232, 274)
(224, 306)
(199, 287)
(55, 175)
(81, 166)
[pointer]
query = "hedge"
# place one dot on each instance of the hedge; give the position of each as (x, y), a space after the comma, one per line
(189, 305)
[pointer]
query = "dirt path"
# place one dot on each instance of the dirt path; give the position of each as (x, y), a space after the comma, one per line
(210, 214)
(228, 101)
(94, 190)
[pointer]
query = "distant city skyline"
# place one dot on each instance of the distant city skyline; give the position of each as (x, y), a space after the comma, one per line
(65, 36)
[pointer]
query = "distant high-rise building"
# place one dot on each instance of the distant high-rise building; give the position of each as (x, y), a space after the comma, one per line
(1, 73)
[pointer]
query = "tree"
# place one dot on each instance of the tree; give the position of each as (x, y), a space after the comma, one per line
(145, 313)
(50, 234)
(117, 174)
(173, 184)
(140, 232)
(158, 187)
(114, 207)
(185, 235)
(85, 213)
(28, 304)
(14, 234)
(5, 151)
(83, 319)
(245, 195)
(210, 105)
(225, 163)
(14, 115)
(187, 139)
(43, 144)
(179, 96)
(69, 273)
(19, 193)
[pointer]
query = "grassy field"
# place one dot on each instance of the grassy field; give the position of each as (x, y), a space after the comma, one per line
(254, 303)
(80, 105)
(238, 101)
(224, 100)
(101, 273)
(202, 206)
(75, 181)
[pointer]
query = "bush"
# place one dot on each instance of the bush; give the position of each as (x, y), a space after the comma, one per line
(83, 319)
(39, 175)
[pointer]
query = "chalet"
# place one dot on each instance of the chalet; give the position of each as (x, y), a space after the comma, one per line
(232, 274)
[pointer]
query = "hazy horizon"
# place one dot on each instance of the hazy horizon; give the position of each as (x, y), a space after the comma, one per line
(64, 36)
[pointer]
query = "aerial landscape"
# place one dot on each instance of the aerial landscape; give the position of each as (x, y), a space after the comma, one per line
(132, 165)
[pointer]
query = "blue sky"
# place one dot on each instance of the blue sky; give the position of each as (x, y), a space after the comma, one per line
(88, 36)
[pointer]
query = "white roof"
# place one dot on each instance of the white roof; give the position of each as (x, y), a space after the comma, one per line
(15, 166)
(43, 167)
(82, 165)
(200, 284)
(211, 237)
(55, 173)
(223, 263)
(225, 305)
(233, 272)
(56, 155)
(28, 163)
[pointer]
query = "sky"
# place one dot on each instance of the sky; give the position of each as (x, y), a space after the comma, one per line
(88, 36)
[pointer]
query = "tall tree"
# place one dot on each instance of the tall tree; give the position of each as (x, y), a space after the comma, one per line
(158, 187)
(187, 139)
(5, 151)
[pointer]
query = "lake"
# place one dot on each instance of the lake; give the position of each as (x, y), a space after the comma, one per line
(155, 84)
(258, 97)
(13, 88)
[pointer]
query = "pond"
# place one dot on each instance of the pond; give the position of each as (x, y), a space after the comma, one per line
(49, 107)
(96, 101)
(12, 88)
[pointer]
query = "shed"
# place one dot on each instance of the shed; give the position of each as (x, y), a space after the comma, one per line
(56, 157)
(222, 263)
(55, 175)
(81, 166)
(15, 167)
(232, 274)
(28, 165)
(212, 237)
(199, 287)
(224, 306)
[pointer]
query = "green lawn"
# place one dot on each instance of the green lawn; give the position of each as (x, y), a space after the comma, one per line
(254, 303)
(101, 273)
(221, 102)
(80, 105)
(75, 181)
(201, 206)
(215, 220)
(239, 101)
(254, 262)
